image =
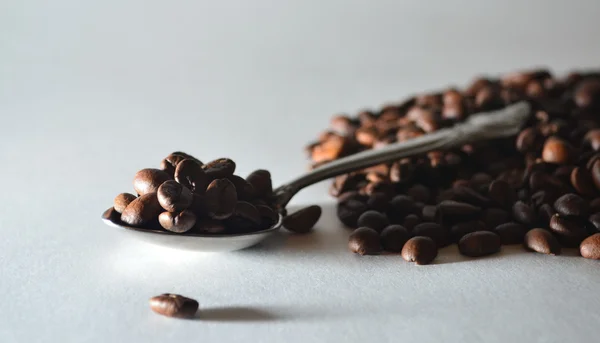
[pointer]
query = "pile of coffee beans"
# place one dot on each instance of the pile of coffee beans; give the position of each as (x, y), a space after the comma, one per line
(540, 188)
(187, 196)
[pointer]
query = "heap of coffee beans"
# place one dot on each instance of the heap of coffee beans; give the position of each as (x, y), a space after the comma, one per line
(540, 188)
(187, 196)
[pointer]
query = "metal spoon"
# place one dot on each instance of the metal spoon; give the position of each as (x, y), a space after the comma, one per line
(479, 127)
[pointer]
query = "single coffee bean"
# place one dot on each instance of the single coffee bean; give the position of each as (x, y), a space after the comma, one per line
(148, 180)
(435, 231)
(595, 171)
(393, 238)
(595, 205)
(221, 199)
(582, 181)
(570, 230)
(558, 151)
(245, 190)
(199, 205)
(142, 210)
(208, 226)
(421, 250)
(302, 221)
(373, 220)
(545, 212)
(502, 194)
(594, 219)
(219, 168)
(190, 175)
(400, 206)
(543, 197)
(587, 93)
(349, 207)
(174, 305)
(450, 211)
(245, 218)
(122, 200)
(457, 231)
(493, 217)
(173, 197)
(511, 233)
(410, 221)
(528, 140)
(378, 201)
(170, 162)
(177, 222)
(563, 173)
(419, 193)
(590, 247)
(268, 215)
(542, 241)
(479, 243)
(261, 182)
(523, 213)
(429, 213)
(364, 241)
(470, 196)
(571, 205)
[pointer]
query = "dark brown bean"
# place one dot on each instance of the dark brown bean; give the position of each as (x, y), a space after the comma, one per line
(411, 220)
(470, 196)
(374, 220)
(174, 197)
(221, 198)
(457, 231)
(590, 247)
(245, 218)
(268, 215)
(261, 182)
(429, 213)
(570, 230)
(511, 233)
(558, 151)
(419, 193)
(219, 168)
(523, 213)
(587, 93)
(174, 305)
(393, 238)
(582, 181)
(177, 222)
(142, 210)
(542, 241)
(400, 206)
(364, 241)
(594, 219)
(545, 212)
(122, 200)
(170, 162)
(421, 250)
(571, 205)
(435, 231)
(479, 243)
(493, 217)
(451, 212)
(592, 139)
(378, 201)
(245, 190)
(502, 194)
(595, 171)
(302, 221)
(208, 226)
(148, 180)
(190, 175)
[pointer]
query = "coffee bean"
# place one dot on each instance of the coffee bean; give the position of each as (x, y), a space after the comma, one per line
(393, 238)
(563, 173)
(502, 194)
(142, 210)
(590, 247)
(400, 206)
(411, 220)
(221, 198)
(457, 231)
(594, 219)
(421, 250)
(332, 148)
(177, 222)
(190, 175)
(364, 241)
(261, 182)
(435, 231)
(470, 196)
(419, 193)
(493, 217)
(122, 200)
(571, 205)
(269, 216)
(570, 230)
(582, 181)
(592, 139)
(199, 205)
(542, 241)
(208, 226)
(511, 233)
(587, 93)
(479, 180)
(173, 197)
(545, 212)
(302, 221)
(148, 180)
(245, 218)
(349, 207)
(451, 212)
(378, 201)
(523, 213)
(479, 243)
(219, 168)
(174, 305)
(595, 171)
(373, 220)
(557, 150)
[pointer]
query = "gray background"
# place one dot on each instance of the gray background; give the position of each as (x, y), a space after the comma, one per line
(92, 91)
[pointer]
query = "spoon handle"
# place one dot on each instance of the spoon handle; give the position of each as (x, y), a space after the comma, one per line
(483, 126)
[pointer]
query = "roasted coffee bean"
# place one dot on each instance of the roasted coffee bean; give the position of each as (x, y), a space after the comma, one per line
(170, 162)
(570, 230)
(470, 196)
(148, 180)
(400, 206)
(364, 241)
(563, 173)
(245, 218)
(592, 139)
(502, 194)
(493, 217)
(429, 213)
(142, 210)
(523, 213)
(542, 241)
(208, 226)
(219, 168)
(245, 190)
(373, 220)
(480, 180)
(332, 148)
(379, 187)
(434, 231)
(511, 233)
(421, 250)
(174, 305)
(378, 201)
(479, 243)
(571, 205)
(302, 221)
(419, 193)
(528, 140)
(557, 150)
(221, 199)
(595, 205)
(261, 182)
(587, 93)
(393, 238)
(122, 200)
(174, 197)
(457, 231)
(451, 212)
(545, 212)
(594, 219)
(190, 175)
(199, 205)
(350, 206)
(177, 222)
(595, 171)
(590, 247)
(268, 215)
(411, 220)
(582, 181)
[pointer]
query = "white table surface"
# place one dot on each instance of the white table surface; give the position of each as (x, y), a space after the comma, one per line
(92, 91)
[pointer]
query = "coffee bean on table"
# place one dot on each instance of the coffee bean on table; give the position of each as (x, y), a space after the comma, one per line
(419, 249)
(219, 168)
(221, 198)
(590, 247)
(148, 180)
(457, 231)
(450, 211)
(400, 206)
(479, 243)
(571, 205)
(122, 200)
(174, 197)
(261, 182)
(142, 210)
(410, 221)
(393, 238)
(174, 305)
(570, 230)
(177, 222)
(349, 207)
(435, 231)
(373, 220)
(511, 233)
(190, 175)
(542, 241)
(302, 221)
(523, 213)
(364, 241)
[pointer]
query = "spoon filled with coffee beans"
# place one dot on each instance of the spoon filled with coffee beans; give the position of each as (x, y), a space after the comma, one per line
(188, 204)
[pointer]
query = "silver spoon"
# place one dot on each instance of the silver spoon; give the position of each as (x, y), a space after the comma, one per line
(479, 127)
